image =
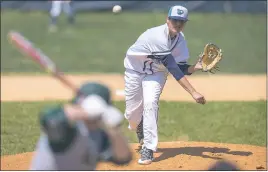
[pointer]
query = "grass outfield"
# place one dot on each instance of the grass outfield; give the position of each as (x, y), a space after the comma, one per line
(99, 41)
(228, 122)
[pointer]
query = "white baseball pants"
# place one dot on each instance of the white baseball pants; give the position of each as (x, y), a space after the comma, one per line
(57, 6)
(142, 93)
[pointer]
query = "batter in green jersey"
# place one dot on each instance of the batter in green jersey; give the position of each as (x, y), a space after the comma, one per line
(79, 134)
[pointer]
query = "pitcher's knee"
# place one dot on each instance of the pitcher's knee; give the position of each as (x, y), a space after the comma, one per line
(150, 105)
(133, 120)
(133, 114)
(132, 125)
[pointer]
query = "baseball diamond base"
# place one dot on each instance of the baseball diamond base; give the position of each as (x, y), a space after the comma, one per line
(180, 155)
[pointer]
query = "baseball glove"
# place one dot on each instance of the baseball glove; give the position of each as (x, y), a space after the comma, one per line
(210, 58)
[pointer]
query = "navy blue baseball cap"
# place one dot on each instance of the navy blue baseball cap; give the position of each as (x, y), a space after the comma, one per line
(178, 13)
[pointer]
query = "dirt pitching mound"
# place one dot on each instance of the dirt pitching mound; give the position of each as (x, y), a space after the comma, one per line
(170, 155)
(174, 156)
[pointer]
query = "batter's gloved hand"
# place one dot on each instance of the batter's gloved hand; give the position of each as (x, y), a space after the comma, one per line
(209, 59)
(96, 108)
(112, 117)
(94, 105)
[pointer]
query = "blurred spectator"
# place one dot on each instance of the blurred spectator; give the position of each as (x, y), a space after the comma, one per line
(55, 11)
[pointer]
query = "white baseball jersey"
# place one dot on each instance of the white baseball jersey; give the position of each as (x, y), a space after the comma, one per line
(155, 41)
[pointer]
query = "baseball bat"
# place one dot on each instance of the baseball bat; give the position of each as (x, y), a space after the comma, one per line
(27, 48)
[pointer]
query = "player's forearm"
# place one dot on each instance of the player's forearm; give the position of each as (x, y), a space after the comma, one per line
(170, 63)
(75, 112)
(120, 147)
(192, 69)
(186, 85)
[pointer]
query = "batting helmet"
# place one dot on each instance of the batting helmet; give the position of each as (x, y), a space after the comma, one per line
(93, 88)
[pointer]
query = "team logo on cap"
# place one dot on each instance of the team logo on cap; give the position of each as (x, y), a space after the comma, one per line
(180, 12)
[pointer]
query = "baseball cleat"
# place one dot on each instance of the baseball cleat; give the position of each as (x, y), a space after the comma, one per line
(146, 156)
(140, 132)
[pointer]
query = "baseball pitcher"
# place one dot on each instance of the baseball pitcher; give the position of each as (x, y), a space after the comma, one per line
(78, 135)
(158, 51)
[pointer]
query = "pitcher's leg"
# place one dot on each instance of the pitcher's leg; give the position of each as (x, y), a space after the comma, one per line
(152, 89)
(133, 98)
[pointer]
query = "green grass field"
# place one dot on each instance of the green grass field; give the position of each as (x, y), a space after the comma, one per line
(227, 122)
(99, 41)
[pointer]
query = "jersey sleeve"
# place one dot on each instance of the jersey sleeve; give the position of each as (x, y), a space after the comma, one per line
(102, 143)
(59, 131)
(170, 63)
(184, 68)
(106, 153)
(104, 147)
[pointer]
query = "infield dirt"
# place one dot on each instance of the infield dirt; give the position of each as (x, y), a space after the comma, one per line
(180, 155)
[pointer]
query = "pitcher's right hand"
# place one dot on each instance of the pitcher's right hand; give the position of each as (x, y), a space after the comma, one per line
(199, 98)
